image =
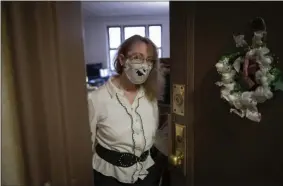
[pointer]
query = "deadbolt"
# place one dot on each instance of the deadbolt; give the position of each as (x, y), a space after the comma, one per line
(179, 99)
(179, 139)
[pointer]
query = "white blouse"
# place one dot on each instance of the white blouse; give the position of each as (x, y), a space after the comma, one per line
(117, 125)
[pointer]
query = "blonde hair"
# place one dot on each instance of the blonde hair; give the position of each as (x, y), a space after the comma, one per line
(154, 85)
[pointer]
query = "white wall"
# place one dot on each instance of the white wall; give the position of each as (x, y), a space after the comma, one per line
(95, 35)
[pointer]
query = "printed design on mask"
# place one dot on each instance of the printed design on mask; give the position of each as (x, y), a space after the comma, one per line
(137, 70)
(249, 76)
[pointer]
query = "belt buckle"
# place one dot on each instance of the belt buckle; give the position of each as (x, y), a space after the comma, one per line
(124, 155)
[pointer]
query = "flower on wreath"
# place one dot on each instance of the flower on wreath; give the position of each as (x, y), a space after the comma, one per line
(249, 77)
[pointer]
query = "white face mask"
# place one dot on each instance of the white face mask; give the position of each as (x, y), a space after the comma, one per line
(137, 71)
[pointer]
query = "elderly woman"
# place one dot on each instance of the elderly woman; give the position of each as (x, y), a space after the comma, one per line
(124, 117)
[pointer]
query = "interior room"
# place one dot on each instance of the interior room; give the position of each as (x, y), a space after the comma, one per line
(108, 24)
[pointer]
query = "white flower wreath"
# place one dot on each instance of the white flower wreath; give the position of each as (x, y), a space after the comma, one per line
(265, 80)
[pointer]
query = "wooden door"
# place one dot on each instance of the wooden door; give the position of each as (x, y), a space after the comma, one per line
(222, 148)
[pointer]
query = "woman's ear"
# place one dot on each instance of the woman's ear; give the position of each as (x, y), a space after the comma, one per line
(121, 59)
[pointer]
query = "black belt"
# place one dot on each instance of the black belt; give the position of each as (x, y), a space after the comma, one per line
(120, 159)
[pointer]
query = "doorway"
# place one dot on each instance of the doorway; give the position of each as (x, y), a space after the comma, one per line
(106, 26)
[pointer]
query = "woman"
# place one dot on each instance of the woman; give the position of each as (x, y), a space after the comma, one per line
(124, 117)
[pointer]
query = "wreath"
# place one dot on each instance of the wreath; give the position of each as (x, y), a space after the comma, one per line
(249, 76)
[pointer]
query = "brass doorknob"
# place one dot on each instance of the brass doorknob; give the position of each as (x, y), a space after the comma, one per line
(176, 159)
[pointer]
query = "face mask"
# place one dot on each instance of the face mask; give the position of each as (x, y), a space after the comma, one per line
(137, 71)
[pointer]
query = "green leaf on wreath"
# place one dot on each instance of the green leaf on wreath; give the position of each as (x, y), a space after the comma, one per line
(278, 85)
(277, 74)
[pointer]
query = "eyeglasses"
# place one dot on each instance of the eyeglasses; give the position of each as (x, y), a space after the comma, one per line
(139, 56)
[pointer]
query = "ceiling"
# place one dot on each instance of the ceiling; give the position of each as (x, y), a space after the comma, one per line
(103, 9)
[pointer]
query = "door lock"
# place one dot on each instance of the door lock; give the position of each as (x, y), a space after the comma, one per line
(178, 157)
(179, 99)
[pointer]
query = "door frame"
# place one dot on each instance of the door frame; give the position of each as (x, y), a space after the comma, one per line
(47, 55)
(182, 22)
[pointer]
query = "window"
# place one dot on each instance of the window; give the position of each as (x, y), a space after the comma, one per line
(114, 41)
(118, 34)
(154, 33)
(134, 30)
